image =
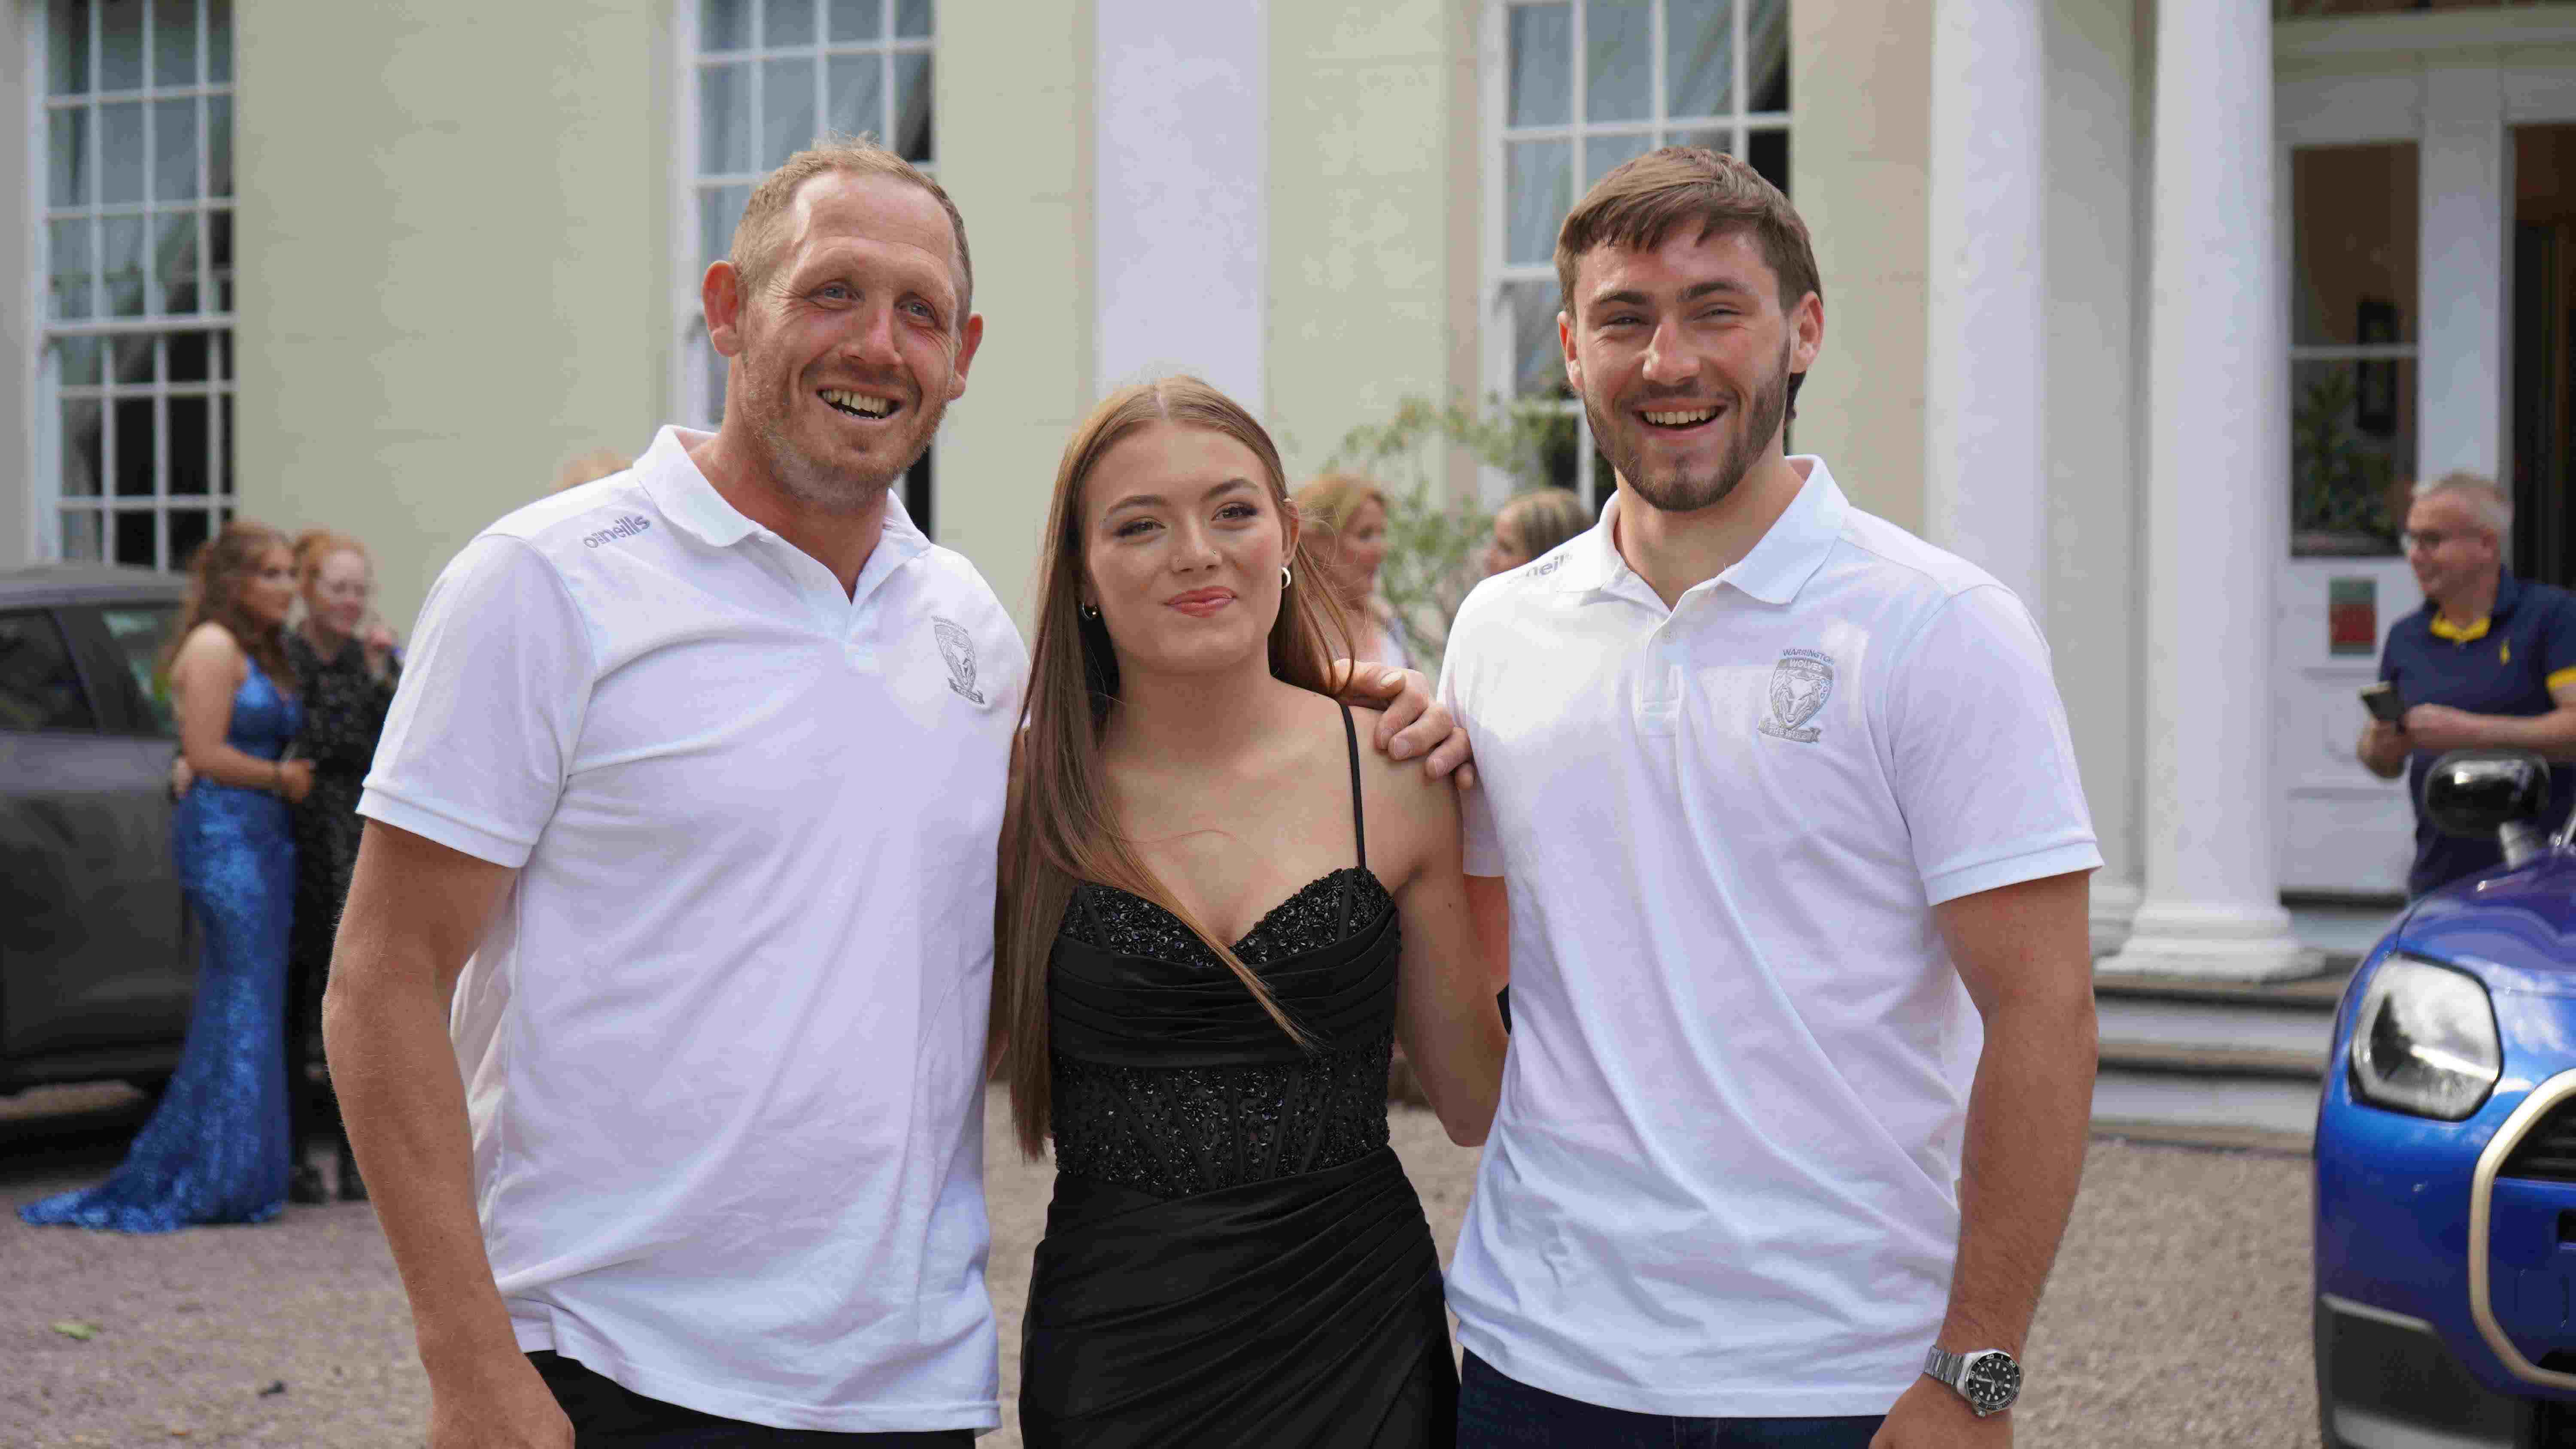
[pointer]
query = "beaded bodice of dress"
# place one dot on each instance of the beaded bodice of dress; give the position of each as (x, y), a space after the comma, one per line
(1167, 1075)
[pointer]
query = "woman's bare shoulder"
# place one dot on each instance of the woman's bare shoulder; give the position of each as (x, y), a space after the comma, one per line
(208, 643)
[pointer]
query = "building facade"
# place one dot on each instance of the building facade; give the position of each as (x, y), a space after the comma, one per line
(2149, 306)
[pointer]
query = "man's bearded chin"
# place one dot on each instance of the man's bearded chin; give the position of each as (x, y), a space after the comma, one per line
(1683, 492)
(831, 489)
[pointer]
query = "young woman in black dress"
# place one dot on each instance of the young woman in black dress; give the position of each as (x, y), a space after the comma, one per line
(1233, 1255)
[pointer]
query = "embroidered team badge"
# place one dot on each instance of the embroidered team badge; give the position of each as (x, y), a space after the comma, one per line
(958, 649)
(1800, 684)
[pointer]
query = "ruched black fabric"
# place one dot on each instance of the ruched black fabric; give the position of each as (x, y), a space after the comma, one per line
(1299, 1303)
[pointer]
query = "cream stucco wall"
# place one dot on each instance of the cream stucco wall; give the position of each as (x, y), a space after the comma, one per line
(1860, 81)
(454, 237)
(1014, 134)
(18, 318)
(1362, 246)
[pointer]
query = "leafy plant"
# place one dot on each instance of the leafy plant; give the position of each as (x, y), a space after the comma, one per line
(2339, 478)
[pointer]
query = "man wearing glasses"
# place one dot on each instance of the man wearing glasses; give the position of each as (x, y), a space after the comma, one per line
(2488, 662)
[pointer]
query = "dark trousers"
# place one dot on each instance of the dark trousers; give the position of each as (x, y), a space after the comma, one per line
(606, 1414)
(1496, 1412)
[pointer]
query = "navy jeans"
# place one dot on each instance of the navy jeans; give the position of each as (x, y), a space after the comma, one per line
(1496, 1412)
(606, 1414)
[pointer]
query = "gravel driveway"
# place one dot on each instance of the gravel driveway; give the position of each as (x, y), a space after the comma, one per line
(2178, 1315)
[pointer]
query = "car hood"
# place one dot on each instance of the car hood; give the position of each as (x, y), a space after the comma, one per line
(2516, 928)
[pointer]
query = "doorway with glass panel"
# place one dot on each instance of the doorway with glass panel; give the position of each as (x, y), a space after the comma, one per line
(2542, 334)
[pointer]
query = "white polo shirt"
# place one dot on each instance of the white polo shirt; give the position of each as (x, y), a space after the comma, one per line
(1723, 1181)
(723, 1045)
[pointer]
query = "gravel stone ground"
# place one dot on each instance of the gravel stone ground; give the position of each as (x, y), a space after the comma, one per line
(2178, 1314)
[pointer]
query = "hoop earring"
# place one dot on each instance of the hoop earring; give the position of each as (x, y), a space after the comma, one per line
(1089, 611)
(1286, 578)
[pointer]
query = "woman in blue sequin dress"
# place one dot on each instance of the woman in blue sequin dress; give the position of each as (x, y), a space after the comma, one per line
(215, 1150)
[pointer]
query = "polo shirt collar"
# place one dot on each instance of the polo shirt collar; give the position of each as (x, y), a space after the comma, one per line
(676, 486)
(1777, 568)
(2508, 594)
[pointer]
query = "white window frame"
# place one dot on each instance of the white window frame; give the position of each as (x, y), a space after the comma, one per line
(45, 392)
(693, 373)
(1659, 128)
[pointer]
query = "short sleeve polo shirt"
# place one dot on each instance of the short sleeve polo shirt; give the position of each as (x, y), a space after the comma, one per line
(2509, 663)
(723, 1044)
(1723, 1178)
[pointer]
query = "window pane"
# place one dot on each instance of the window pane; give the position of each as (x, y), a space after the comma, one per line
(224, 355)
(67, 48)
(724, 119)
(1538, 359)
(219, 146)
(1699, 57)
(120, 59)
(135, 546)
(1537, 196)
(186, 356)
(724, 24)
(219, 257)
(39, 687)
(912, 18)
(1559, 448)
(81, 542)
(189, 472)
(72, 250)
(120, 152)
(80, 360)
(174, 260)
(1542, 74)
(224, 446)
(189, 530)
(67, 147)
(787, 96)
(174, 150)
(1601, 153)
(1766, 54)
(81, 448)
(2352, 448)
(857, 100)
(219, 42)
(2353, 245)
(132, 359)
(911, 139)
(123, 238)
(1769, 153)
(719, 209)
(1618, 53)
(857, 19)
(133, 419)
(174, 42)
(786, 22)
(138, 630)
(1720, 139)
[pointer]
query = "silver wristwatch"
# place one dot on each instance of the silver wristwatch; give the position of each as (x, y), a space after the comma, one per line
(1988, 1378)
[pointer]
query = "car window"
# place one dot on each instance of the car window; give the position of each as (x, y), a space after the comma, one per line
(39, 687)
(139, 631)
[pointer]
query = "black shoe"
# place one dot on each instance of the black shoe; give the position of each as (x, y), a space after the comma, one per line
(304, 1185)
(353, 1188)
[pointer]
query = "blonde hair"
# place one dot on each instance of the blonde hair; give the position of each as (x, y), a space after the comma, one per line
(315, 546)
(216, 572)
(762, 232)
(1057, 828)
(1331, 500)
(1542, 518)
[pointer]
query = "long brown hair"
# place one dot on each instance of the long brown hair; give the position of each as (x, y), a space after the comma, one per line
(215, 577)
(1058, 828)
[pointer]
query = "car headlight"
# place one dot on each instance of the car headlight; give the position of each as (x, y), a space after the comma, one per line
(2425, 1041)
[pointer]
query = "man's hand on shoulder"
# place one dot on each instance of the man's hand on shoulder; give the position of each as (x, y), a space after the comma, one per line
(1410, 721)
(1931, 1415)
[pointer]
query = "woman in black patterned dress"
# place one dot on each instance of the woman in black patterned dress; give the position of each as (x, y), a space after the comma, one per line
(344, 664)
(1233, 1255)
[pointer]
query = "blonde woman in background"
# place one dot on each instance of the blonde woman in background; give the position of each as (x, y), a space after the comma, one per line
(1345, 516)
(1532, 524)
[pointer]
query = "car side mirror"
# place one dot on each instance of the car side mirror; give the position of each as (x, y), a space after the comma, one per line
(2490, 794)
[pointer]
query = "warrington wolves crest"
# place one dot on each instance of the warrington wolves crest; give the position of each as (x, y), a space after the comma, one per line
(958, 649)
(1800, 684)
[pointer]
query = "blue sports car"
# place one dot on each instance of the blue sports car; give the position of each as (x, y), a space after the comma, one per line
(2446, 1147)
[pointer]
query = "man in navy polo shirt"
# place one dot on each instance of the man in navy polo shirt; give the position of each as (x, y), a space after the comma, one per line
(2488, 662)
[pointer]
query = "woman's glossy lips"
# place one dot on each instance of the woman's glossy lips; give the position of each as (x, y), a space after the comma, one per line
(1199, 603)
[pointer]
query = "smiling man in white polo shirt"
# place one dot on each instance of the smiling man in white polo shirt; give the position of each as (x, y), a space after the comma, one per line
(702, 766)
(1796, 856)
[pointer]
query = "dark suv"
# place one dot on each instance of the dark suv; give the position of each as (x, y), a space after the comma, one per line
(97, 955)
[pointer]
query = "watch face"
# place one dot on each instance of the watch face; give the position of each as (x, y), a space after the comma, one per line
(1991, 1382)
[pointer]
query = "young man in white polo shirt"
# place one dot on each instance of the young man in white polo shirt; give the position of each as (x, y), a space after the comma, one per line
(1796, 861)
(702, 766)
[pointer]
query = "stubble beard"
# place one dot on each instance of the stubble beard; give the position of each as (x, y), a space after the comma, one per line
(1681, 492)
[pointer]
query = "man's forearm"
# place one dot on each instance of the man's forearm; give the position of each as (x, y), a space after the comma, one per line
(2028, 1114)
(395, 1075)
(2552, 735)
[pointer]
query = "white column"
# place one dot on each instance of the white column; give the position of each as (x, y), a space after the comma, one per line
(1183, 142)
(1985, 362)
(2460, 371)
(2217, 516)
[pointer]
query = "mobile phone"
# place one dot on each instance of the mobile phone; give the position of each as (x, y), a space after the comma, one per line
(2382, 702)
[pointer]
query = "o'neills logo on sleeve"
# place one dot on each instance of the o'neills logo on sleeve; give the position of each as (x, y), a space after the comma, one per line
(626, 527)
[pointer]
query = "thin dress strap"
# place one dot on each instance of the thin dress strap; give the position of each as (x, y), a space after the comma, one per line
(1359, 827)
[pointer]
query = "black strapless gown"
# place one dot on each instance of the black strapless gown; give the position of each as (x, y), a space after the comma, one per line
(1233, 1256)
